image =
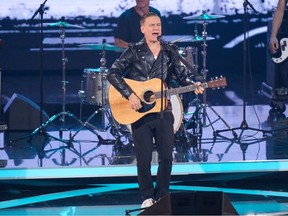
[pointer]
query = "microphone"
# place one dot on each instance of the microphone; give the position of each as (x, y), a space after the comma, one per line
(40, 10)
(246, 2)
(159, 38)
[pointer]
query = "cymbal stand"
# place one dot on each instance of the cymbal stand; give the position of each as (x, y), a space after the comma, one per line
(64, 82)
(103, 79)
(204, 69)
(203, 114)
(62, 115)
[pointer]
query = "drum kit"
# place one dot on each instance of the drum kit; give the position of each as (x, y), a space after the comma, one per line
(185, 138)
(96, 91)
(94, 85)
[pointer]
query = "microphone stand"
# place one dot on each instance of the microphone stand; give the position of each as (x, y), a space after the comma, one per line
(3, 126)
(161, 107)
(244, 126)
(40, 130)
(40, 10)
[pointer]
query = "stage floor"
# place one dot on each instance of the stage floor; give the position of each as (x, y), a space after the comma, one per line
(86, 175)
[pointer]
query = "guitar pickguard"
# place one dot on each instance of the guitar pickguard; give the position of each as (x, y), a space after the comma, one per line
(146, 107)
(282, 53)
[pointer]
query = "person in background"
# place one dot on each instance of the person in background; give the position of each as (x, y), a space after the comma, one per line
(146, 60)
(279, 30)
(276, 24)
(128, 26)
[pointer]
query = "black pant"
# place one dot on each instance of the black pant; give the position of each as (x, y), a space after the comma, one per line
(145, 131)
(282, 78)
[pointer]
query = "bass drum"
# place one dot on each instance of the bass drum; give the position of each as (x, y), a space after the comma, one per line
(177, 110)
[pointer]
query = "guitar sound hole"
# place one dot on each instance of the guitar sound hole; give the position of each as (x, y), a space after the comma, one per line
(149, 97)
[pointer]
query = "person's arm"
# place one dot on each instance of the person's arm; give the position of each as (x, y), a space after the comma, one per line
(276, 23)
(121, 32)
(182, 76)
(115, 78)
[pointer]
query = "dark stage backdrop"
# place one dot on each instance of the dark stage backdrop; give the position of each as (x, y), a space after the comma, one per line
(20, 36)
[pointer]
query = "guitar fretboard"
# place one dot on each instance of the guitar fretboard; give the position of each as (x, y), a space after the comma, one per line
(180, 90)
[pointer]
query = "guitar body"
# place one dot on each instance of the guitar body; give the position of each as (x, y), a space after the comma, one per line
(177, 111)
(282, 53)
(121, 108)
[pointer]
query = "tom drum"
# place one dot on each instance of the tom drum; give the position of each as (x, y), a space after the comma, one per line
(95, 86)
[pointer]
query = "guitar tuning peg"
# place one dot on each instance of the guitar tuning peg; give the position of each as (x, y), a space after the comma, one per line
(216, 77)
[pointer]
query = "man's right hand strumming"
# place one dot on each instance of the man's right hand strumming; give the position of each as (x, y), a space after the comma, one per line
(135, 102)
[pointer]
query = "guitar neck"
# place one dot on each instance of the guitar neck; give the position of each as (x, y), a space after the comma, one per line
(179, 90)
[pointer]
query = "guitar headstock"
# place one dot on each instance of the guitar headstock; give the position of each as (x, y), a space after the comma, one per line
(217, 82)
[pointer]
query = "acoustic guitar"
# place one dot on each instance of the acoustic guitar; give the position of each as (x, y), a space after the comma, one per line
(149, 93)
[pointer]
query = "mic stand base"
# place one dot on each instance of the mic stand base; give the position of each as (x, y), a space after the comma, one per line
(40, 131)
(243, 127)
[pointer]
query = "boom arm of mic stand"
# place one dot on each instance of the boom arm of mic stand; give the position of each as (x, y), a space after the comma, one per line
(39, 10)
(246, 2)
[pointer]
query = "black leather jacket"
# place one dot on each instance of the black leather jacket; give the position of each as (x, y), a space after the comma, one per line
(138, 63)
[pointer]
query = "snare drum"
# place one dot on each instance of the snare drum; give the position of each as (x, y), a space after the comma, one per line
(95, 86)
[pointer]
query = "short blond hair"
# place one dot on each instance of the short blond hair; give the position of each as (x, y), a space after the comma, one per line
(147, 15)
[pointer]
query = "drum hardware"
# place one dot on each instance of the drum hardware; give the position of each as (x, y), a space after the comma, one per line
(193, 39)
(193, 127)
(204, 16)
(93, 129)
(115, 129)
(190, 54)
(60, 116)
(41, 130)
(102, 46)
(62, 25)
(98, 94)
(94, 91)
(94, 87)
(204, 70)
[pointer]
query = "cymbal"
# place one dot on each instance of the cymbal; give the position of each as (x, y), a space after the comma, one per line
(102, 46)
(63, 24)
(204, 16)
(192, 39)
